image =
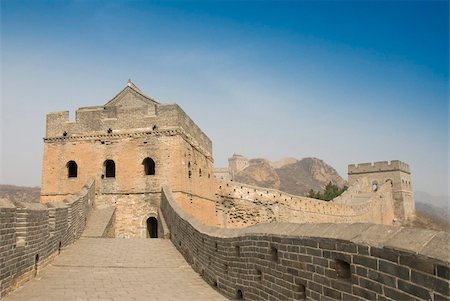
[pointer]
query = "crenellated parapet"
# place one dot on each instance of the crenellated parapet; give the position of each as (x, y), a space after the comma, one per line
(99, 121)
(129, 110)
(32, 234)
(287, 261)
(382, 166)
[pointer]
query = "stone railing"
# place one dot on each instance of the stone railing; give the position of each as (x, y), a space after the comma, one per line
(31, 234)
(282, 261)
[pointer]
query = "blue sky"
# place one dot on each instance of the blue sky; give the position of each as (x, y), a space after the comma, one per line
(348, 82)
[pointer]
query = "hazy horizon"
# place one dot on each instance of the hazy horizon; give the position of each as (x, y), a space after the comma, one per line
(346, 82)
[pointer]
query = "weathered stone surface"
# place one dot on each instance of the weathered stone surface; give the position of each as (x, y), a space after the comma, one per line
(117, 269)
(402, 239)
(376, 235)
(438, 247)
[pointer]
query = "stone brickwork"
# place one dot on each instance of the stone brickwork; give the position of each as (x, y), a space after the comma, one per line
(284, 261)
(396, 173)
(129, 130)
(240, 205)
(32, 234)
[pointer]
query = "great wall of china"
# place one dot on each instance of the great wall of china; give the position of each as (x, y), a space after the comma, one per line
(152, 166)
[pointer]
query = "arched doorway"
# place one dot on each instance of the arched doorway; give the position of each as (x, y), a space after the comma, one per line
(152, 227)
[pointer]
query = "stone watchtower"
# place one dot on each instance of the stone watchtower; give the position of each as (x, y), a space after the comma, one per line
(395, 172)
(237, 163)
(131, 146)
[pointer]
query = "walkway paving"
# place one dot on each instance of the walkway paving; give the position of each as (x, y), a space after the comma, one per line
(117, 269)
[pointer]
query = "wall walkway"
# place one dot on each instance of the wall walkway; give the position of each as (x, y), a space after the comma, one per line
(117, 269)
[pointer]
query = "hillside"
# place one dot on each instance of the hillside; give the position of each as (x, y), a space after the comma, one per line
(20, 193)
(290, 175)
(259, 173)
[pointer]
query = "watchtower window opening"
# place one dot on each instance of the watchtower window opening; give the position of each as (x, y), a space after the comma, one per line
(152, 227)
(110, 169)
(200, 172)
(72, 169)
(149, 166)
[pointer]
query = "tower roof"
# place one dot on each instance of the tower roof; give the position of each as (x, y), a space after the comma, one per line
(130, 87)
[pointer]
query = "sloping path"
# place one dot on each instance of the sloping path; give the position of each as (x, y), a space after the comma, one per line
(97, 222)
(117, 269)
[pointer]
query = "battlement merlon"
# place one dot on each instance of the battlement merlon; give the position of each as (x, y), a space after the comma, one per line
(394, 165)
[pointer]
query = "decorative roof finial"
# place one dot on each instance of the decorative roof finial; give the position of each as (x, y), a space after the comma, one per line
(129, 82)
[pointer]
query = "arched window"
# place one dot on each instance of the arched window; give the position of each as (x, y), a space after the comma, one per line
(149, 166)
(189, 170)
(72, 169)
(110, 169)
(200, 172)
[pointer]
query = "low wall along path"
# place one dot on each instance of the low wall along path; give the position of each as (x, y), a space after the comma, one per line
(282, 261)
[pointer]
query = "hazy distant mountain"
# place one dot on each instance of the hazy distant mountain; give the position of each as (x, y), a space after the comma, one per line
(290, 175)
(20, 193)
(432, 211)
(437, 201)
(259, 173)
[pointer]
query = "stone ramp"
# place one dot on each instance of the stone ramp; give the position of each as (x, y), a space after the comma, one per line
(117, 269)
(99, 222)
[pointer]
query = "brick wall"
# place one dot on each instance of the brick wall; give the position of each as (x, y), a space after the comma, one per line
(32, 234)
(282, 261)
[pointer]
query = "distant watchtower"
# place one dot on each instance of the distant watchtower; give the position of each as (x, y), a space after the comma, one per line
(237, 163)
(395, 172)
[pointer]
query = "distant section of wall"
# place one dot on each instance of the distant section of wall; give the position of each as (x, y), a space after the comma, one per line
(236, 164)
(242, 205)
(222, 174)
(282, 261)
(32, 234)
